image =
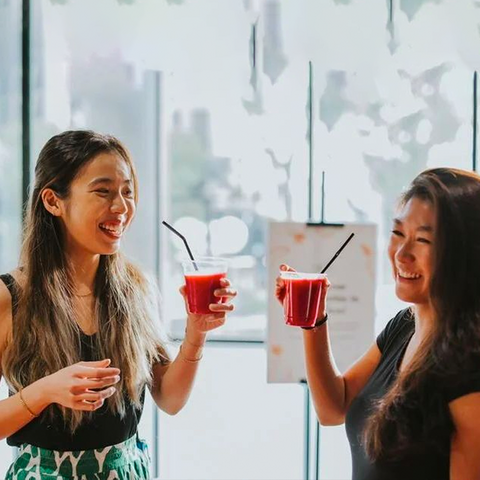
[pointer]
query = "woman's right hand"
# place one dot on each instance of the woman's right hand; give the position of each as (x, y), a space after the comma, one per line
(82, 386)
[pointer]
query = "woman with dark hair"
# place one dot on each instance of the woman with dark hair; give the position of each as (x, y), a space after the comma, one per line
(411, 404)
(79, 339)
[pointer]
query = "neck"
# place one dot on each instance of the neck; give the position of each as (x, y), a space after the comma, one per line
(84, 270)
(424, 318)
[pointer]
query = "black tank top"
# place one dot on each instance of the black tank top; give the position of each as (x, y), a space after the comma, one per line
(103, 429)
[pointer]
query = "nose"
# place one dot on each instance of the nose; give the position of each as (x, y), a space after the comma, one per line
(119, 205)
(404, 253)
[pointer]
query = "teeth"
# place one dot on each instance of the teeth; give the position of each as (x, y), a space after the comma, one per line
(116, 230)
(408, 275)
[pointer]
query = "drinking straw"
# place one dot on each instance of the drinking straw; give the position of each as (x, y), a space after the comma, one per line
(176, 232)
(338, 253)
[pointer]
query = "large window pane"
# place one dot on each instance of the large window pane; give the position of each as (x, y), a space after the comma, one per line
(211, 97)
(235, 425)
(10, 155)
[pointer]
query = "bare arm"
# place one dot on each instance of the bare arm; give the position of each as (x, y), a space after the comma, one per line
(465, 449)
(333, 392)
(13, 414)
(173, 384)
(70, 387)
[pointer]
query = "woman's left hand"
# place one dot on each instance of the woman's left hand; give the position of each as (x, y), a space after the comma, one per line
(203, 323)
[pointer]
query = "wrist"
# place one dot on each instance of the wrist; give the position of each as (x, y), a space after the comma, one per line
(37, 396)
(320, 321)
(195, 338)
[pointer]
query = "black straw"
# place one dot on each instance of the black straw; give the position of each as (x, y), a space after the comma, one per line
(176, 232)
(338, 253)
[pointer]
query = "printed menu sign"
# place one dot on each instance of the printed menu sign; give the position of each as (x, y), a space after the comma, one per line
(351, 298)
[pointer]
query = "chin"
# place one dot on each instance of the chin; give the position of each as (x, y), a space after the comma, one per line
(110, 250)
(409, 297)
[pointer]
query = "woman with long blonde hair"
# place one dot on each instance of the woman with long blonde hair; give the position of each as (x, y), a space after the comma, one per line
(79, 340)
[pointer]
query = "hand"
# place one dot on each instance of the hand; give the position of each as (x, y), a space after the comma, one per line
(280, 290)
(203, 323)
(82, 386)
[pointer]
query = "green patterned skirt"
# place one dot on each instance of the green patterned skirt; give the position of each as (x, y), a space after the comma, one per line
(125, 461)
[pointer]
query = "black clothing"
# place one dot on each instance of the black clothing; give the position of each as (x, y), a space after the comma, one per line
(429, 464)
(103, 429)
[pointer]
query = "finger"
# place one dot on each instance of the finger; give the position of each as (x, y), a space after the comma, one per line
(87, 372)
(183, 291)
(97, 363)
(213, 317)
(90, 396)
(225, 292)
(96, 383)
(221, 307)
(286, 268)
(88, 406)
(225, 282)
(216, 323)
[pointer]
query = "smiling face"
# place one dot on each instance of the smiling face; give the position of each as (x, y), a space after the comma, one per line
(99, 208)
(411, 251)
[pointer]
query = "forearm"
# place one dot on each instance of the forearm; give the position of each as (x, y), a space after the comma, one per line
(326, 383)
(13, 413)
(178, 380)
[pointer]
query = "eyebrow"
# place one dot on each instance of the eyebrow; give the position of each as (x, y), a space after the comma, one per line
(421, 228)
(97, 181)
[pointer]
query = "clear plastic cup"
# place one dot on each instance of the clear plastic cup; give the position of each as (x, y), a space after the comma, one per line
(302, 297)
(202, 278)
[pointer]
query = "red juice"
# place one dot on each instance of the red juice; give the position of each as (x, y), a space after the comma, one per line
(200, 288)
(302, 299)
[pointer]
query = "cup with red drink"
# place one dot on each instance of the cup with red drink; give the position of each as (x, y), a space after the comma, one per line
(202, 278)
(302, 297)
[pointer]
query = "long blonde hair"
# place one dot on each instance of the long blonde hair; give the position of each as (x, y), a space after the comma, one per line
(45, 336)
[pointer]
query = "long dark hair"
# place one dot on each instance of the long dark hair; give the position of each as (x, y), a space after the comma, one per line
(46, 336)
(414, 414)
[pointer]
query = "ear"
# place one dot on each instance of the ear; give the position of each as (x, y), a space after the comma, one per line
(51, 202)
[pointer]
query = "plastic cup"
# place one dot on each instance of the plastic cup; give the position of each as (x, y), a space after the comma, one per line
(202, 281)
(302, 297)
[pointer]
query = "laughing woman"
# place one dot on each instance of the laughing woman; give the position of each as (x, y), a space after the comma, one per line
(79, 341)
(411, 404)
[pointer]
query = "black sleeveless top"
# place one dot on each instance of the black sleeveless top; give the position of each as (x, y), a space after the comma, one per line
(429, 464)
(103, 429)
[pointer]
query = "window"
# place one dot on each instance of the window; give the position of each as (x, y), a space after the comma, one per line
(212, 98)
(10, 155)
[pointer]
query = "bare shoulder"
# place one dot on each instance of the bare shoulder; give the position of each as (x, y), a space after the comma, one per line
(466, 409)
(6, 309)
(465, 449)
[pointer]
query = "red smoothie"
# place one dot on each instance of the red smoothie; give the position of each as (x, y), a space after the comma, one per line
(302, 299)
(200, 288)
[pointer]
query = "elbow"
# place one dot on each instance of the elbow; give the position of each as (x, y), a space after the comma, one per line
(171, 409)
(330, 419)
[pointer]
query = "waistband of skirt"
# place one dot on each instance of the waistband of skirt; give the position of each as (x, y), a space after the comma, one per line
(78, 462)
